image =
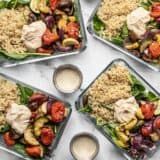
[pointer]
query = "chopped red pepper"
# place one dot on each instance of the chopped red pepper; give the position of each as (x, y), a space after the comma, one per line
(155, 12)
(57, 112)
(53, 4)
(43, 50)
(9, 141)
(72, 30)
(34, 151)
(47, 136)
(154, 49)
(49, 37)
(148, 110)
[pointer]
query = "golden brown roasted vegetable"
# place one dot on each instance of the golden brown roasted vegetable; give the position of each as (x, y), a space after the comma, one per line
(29, 137)
(132, 46)
(38, 124)
(43, 6)
(155, 137)
(131, 124)
(120, 144)
(139, 114)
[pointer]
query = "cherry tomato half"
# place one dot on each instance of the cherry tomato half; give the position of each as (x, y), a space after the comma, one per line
(49, 37)
(47, 136)
(154, 49)
(156, 123)
(72, 30)
(9, 141)
(34, 151)
(57, 112)
(147, 110)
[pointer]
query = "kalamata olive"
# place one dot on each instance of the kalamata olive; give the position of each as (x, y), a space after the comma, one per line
(49, 21)
(142, 156)
(134, 152)
(85, 100)
(69, 11)
(146, 58)
(32, 18)
(147, 129)
(49, 105)
(156, 125)
(136, 141)
(136, 53)
(133, 37)
(38, 97)
(14, 135)
(65, 4)
(61, 34)
(33, 106)
(148, 146)
(59, 47)
(158, 20)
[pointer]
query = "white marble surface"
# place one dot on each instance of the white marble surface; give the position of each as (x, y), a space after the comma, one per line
(91, 62)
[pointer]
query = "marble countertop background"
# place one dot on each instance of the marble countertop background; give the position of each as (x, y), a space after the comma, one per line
(91, 62)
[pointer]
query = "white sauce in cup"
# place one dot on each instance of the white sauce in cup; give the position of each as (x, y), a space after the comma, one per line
(84, 147)
(67, 79)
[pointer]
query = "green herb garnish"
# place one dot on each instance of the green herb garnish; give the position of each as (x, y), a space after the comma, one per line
(20, 149)
(4, 128)
(119, 39)
(12, 3)
(139, 91)
(85, 109)
(25, 94)
(110, 130)
(98, 25)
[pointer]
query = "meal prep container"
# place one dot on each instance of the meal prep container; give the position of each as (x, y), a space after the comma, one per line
(81, 100)
(62, 125)
(95, 35)
(8, 62)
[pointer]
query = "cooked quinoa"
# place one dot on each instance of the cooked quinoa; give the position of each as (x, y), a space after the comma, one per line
(11, 24)
(107, 89)
(114, 13)
(9, 93)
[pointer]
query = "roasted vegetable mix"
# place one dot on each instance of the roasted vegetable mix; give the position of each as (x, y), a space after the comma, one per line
(31, 124)
(48, 26)
(137, 31)
(125, 110)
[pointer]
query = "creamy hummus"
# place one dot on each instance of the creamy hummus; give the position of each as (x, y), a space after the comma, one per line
(18, 117)
(136, 21)
(125, 110)
(32, 35)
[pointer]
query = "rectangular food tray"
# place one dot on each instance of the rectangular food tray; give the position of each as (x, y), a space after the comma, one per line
(80, 101)
(8, 62)
(62, 126)
(95, 35)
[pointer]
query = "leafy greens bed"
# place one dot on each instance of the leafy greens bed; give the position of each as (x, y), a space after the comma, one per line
(133, 124)
(30, 122)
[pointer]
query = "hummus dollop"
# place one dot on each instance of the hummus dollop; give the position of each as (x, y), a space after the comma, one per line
(136, 21)
(18, 117)
(125, 110)
(32, 35)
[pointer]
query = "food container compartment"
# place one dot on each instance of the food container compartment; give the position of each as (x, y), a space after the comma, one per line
(91, 30)
(82, 100)
(61, 126)
(9, 62)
